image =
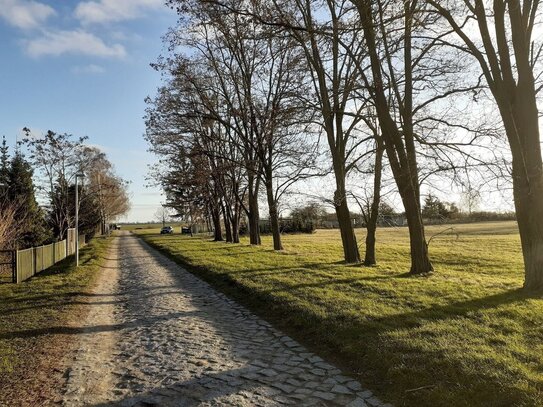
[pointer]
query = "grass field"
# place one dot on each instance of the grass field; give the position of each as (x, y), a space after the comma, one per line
(32, 316)
(464, 336)
(152, 226)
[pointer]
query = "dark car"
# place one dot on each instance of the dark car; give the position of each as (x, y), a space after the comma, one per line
(166, 230)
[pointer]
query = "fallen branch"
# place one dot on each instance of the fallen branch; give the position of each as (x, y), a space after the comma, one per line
(420, 388)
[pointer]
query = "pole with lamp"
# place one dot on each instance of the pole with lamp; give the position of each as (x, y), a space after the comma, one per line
(77, 176)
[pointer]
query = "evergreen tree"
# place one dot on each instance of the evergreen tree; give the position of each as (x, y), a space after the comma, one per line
(4, 168)
(29, 215)
(434, 208)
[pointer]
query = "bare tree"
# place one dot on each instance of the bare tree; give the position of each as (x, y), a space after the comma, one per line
(333, 51)
(164, 215)
(102, 187)
(285, 149)
(410, 79)
(8, 224)
(399, 143)
(247, 83)
(57, 158)
(200, 169)
(369, 205)
(502, 41)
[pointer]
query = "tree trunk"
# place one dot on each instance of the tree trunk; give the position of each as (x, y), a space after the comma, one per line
(369, 257)
(216, 219)
(515, 96)
(235, 226)
(371, 226)
(227, 224)
(420, 261)
(529, 210)
(253, 213)
(254, 220)
(400, 151)
(522, 126)
(274, 217)
(348, 238)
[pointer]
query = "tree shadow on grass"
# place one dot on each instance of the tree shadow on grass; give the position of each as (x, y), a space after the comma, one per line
(85, 330)
(124, 258)
(208, 388)
(457, 309)
(368, 334)
(308, 268)
(452, 310)
(382, 351)
(63, 300)
(238, 248)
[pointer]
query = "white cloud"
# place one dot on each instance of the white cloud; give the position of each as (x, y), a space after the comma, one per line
(78, 42)
(88, 69)
(104, 11)
(25, 14)
(125, 36)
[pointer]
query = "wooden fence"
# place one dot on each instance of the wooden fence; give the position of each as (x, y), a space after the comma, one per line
(7, 266)
(70, 244)
(30, 262)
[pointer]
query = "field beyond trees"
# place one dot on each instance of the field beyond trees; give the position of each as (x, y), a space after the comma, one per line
(465, 335)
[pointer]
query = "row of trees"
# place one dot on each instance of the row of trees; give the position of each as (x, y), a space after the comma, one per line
(251, 87)
(53, 162)
(313, 215)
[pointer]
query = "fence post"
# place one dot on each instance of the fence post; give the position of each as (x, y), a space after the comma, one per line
(14, 266)
(17, 277)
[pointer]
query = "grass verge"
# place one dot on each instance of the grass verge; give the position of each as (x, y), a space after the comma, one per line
(464, 336)
(32, 315)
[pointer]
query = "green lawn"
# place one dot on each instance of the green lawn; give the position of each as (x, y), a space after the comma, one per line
(464, 336)
(146, 226)
(32, 316)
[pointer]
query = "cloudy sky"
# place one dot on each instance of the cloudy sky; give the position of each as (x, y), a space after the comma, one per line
(82, 67)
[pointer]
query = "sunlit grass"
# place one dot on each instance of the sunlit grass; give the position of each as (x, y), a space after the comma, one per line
(464, 336)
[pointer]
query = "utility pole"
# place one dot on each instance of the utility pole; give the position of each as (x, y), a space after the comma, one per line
(77, 176)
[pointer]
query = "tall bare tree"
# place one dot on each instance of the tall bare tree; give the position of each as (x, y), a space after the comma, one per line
(333, 51)
(252, 80)
(399, 142)
(200, 169)
(411, 78)
(503, 42)
(57, 158)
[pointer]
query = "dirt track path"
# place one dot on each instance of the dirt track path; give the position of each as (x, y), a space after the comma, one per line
(157, 335)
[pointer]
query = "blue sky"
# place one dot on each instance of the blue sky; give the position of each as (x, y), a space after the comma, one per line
(82, 67)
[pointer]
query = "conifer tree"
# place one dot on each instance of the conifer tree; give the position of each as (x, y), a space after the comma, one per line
(4, 168)
(29, 215)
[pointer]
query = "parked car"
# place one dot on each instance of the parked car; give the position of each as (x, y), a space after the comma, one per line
(166, 230)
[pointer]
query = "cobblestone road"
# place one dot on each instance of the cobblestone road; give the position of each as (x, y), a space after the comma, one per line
(157, 335)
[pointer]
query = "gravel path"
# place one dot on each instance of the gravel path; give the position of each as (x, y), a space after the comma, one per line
(157, 335)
